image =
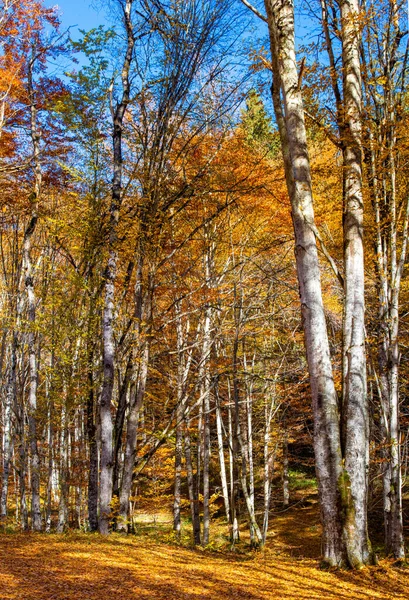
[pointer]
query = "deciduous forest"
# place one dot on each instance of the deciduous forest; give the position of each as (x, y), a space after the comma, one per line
(204, 300)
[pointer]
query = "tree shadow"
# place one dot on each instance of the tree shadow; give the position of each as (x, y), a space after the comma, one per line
(87, 567)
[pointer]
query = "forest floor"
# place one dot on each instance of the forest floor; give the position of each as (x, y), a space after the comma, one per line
(149, 566)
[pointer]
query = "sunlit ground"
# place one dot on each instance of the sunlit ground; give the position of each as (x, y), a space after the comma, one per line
(149, 566)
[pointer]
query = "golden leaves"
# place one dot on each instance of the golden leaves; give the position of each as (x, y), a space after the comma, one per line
(53, 567)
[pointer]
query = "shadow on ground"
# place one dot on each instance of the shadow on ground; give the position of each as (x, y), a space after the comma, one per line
(87, 567)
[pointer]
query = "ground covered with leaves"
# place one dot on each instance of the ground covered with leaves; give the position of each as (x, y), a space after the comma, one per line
(149, 566)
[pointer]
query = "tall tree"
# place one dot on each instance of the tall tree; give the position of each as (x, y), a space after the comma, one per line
(385, 75)
(118, 114)
(341, 456)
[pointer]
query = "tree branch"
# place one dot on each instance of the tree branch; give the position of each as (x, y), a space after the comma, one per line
(254, 10)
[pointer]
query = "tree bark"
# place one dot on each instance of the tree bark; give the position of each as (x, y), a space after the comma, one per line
(223, 476)
(63, 503)
(106, 476)
(286, 489)
(192, 487)
(327, 442)
(143, 311)
(31, 309)
(355, 416)
(8, 442)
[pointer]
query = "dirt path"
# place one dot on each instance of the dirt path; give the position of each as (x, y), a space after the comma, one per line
(87, 567)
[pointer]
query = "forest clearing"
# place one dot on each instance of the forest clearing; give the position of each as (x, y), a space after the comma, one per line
(204, 299)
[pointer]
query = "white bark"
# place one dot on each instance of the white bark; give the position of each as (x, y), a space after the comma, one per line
(28, 271)
(106, 477)
(327, 444)
(223, 476)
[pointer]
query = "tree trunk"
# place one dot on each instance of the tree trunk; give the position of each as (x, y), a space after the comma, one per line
(355, 416)
(106, 476)
(223, 476)
(192, 487)
(234, 477)
(10, 401)
(64, 490)
(31, 309)
(143, 310)
(205, 392)
(327, 442)
(286, 489)
(48, 514)
(183, 368)
(119, 422)
(269, 458)
(92, 443)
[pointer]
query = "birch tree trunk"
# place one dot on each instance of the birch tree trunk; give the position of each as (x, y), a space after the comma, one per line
(192, 486)
(355, 417)
(327, 442)
(22, 463)
(249, 437)
(106, 476)
(91, 430)
(205, 393)
(31, 309)
(50, 440)
(222, 462)
(234, 477)
(8, 441)
(183, 368)
(286, 489)
(63, 478)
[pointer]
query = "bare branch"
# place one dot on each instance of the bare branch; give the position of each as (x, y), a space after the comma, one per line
(255, 11)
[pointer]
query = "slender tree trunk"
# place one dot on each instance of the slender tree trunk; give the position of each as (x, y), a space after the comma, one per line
(395, 540)
(381, 153)
(143, 310)
(183, 368)
(192, 487)
(269, 458)
(92, 444)
(131, 437)
(223, 476)
(234, 477)
(286, 489)
(10, 401)
(106, 476)
(31, 309)
(249, 444)
(22, 464)
(50, 440)
(64, 491)
(178, 471)
(205, 392)
(256, 536)
(119, 422)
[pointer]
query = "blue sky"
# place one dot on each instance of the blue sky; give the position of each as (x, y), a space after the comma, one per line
(78, 14)
(86, 14)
